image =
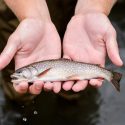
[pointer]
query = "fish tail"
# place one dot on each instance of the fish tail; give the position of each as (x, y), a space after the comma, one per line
(116, 80)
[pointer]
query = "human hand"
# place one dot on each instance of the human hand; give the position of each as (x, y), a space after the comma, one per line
(87, 39)
(33, 40)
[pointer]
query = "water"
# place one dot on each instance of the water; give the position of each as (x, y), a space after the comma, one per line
(35, 112)
(103, 106)
(24, 119)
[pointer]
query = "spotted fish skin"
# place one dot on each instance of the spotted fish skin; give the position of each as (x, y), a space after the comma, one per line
(64, 70)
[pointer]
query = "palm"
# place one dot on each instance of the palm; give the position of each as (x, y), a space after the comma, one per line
(85, 40)
(37, 42)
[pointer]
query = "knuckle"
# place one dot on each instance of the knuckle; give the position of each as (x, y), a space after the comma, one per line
(14, 37)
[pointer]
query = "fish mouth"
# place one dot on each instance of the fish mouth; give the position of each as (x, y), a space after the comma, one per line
(16, 78)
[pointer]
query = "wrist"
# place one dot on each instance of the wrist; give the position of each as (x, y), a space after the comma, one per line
(103, 6)
(29, 9)
(37, 9)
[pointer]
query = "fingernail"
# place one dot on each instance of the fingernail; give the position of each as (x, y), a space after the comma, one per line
(38, 86)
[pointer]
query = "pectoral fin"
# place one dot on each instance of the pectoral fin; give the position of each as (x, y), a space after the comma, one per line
(44, 72)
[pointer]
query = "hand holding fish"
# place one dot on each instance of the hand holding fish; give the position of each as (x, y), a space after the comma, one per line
(32, 41)
(88, 38)
(35, 39)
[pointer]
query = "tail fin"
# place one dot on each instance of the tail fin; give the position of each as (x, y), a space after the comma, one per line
(116, 80)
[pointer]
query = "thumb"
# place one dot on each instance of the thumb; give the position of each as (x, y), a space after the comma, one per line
(112, 47)
(9, 51)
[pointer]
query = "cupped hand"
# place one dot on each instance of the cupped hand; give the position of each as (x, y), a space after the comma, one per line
(87, 39)
(32, 41)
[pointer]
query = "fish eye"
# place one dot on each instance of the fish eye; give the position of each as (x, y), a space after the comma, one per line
(18, 71)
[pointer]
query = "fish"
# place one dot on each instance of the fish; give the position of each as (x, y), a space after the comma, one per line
(64, 70)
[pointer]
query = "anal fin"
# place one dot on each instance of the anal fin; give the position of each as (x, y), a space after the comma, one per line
(74, 77)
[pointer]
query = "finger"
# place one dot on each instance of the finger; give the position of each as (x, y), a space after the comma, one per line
(36, 88)
(38, 85)
(112, 47)
(9, 51)
(80, 85)
(21, 87)
(48, 86)
(96, 82)
(68, 85)
(56, 87)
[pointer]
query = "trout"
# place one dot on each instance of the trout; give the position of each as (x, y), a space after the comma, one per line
(64, 70)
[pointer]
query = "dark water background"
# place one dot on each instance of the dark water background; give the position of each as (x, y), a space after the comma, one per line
(103, 106)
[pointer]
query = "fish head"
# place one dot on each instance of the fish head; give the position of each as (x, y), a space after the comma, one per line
(20, 75)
